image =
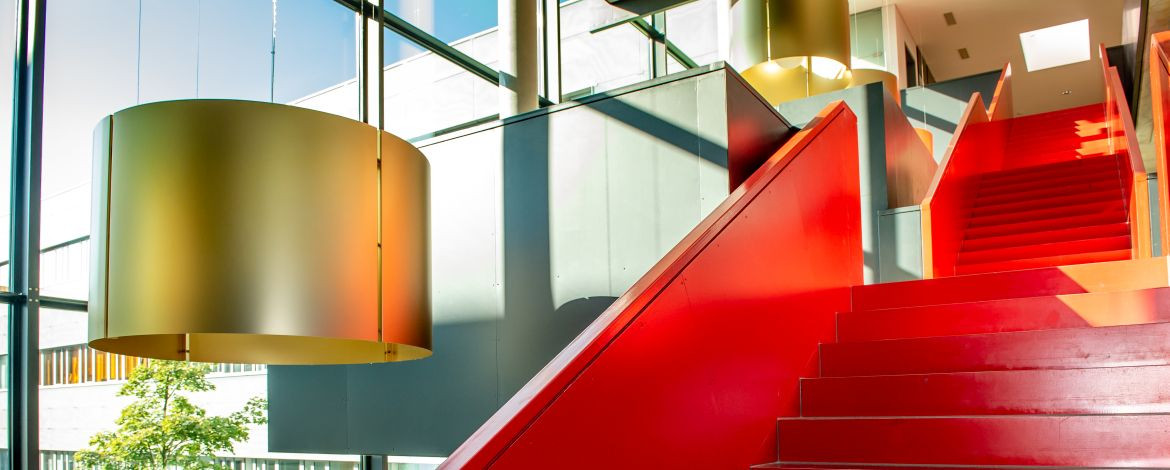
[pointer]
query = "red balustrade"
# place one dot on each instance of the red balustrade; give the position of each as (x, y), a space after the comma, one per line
(691, 367)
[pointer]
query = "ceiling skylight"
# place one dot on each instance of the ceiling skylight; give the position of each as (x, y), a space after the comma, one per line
(1054, 46)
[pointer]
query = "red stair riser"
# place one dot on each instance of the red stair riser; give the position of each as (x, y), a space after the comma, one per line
(1086, 245)
(1116, 346)
(1106, 277)
(1031, 172)
(1069, 182)
(1059, 440)
(1056, 260)
(1053, 223)
(1043, 192)
(1063, 234)
(1103, 194)
(1071, 391)
(1045, 213)
(1035, 313)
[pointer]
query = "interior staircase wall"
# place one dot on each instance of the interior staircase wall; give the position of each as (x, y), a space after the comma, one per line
(537, 224)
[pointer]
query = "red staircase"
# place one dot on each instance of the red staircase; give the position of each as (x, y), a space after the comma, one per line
(1050, 367)
(1059, 201)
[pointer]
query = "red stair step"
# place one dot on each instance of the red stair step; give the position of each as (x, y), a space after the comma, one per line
(1043, 192)
(1055, 260)
(1064, 247)
(1103, 172)
(1044, 213)
(1069, 391)
(1032, 172)
(861, 466)
(992, 316)
(1078, 182)
(1044, 156)
(1063, 199)
(1023, 144)
(1057, 235)
(1058, 440)
(1111, 346)
(1109, 216)
(1102, 277)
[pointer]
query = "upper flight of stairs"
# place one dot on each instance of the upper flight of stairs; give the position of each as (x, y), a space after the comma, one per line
(1062, 201)
(1050, 367)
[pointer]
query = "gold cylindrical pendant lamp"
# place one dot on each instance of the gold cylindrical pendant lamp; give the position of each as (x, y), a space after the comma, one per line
(791, 49)
(235, 231)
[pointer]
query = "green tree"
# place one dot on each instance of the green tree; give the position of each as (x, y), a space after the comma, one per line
(162, 428)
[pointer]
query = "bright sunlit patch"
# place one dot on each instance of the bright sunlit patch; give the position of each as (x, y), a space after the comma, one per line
(827, 68)
(1056, 45)
(790, 62)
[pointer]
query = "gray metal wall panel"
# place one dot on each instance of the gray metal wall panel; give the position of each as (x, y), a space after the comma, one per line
(900, 243)
(711, 103)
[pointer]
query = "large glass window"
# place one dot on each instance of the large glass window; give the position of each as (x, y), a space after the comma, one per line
(425, 93)
(105, 56)
(467, 25)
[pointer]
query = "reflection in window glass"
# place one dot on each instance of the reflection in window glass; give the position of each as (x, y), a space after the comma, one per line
(174, 50)
(7, 56)
(867, 42)
(426, 93)
(456, 22)
(691, 27)
(593, 62)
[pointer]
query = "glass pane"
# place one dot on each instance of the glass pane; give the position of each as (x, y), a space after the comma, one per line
(7, 56)
(174, 50)
(426, 93)
(316, 55)
(467, 25)
(593, 62)
(105, 56)
(692, 29)
(867, 41)
(4, 312)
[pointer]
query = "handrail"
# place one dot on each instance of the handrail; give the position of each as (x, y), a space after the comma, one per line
(939, 242)
(799, 208)
(1123, 139)
(1001, 102)
(1159, 64)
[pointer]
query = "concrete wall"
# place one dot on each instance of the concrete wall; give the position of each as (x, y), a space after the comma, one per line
(538, 223)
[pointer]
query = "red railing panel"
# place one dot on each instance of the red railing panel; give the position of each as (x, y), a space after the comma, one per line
(1123, 140)
(692, 366)
(1159, 65)
(973, 149)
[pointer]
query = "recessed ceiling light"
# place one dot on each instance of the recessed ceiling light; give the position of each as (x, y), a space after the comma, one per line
(963, 54)
(1056, 45)
(949, 17)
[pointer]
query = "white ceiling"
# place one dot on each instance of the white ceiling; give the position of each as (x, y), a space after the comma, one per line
(990, 30)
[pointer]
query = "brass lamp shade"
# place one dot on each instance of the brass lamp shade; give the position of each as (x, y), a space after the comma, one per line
(887, 79)
(234, 231)
(791, 49)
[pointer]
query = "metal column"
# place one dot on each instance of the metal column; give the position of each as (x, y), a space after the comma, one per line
(28, 99)
(517, 61)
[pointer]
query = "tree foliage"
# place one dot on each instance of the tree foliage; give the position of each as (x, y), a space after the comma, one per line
(162, 428)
